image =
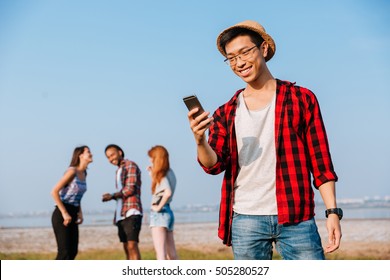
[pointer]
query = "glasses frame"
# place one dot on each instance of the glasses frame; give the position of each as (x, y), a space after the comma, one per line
(231, 61)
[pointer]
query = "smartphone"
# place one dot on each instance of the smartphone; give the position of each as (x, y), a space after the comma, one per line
(193, 102)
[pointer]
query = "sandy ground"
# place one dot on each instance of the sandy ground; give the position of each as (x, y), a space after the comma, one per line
(360, 238)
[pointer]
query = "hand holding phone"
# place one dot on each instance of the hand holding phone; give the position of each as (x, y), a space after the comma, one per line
(193, 102)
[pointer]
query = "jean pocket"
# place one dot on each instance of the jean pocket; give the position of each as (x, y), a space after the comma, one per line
(235, 215)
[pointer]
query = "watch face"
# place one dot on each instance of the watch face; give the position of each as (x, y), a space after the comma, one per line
(340, 211)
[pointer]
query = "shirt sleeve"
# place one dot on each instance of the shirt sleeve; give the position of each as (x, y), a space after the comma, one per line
(218, 141)
(164, 184)
(318, 146)
(130, 180)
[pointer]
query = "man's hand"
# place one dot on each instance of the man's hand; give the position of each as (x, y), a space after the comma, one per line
(106, 197)
(334, 233)
(199, 125)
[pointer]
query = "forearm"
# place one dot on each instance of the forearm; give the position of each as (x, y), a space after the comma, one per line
(163, 201)
(333, 226)
(58, 202)
(328, 194)
(116, 195)
(206, 154)
(63, 182)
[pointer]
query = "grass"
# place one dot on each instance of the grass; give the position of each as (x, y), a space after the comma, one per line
(149, 254)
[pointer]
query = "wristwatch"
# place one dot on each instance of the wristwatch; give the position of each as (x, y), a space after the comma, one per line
(337, 211)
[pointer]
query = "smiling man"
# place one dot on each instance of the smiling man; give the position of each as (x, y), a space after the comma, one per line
(269, 139)
(128, 214)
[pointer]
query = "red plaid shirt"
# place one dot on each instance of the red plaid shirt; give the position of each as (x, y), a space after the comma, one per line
(131, 186)
(302, 151)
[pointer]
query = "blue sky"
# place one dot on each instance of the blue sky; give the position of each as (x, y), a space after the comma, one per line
(101, 72)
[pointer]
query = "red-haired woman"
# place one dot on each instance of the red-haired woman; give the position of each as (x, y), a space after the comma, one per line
(67, 194)
(161, 215)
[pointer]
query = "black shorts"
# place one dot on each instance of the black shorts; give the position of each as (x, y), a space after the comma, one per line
(129, 228)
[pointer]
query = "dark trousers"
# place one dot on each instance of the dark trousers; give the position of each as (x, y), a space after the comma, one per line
(67, 237)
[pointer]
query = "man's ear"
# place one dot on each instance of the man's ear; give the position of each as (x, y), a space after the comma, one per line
(264, 49)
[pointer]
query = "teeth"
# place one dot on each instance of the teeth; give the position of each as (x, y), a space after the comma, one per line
(245, 71)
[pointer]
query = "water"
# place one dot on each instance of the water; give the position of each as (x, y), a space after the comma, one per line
(358, 212)
(211, 216)
(98, 219)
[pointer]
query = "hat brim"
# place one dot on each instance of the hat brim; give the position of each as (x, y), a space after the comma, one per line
(266, 37)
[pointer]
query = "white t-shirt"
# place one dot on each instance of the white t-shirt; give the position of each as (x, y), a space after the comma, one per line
(118, 210)
(168, 182)
(255, 184)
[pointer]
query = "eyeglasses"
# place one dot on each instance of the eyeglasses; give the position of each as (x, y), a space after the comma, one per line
(245, 55)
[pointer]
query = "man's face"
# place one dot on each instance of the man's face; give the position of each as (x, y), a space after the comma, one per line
(114, 156)
(248, 60)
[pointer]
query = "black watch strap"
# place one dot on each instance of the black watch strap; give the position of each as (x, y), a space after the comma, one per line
(337, 211)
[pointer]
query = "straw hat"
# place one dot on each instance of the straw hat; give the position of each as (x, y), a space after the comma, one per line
(256, 27)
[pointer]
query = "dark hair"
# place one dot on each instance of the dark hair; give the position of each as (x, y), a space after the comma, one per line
(115, 147)
(75, 161)
(235, 32)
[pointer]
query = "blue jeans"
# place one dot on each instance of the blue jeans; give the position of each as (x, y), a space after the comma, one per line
(252, 238)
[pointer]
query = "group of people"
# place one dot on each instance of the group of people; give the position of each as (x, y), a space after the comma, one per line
(270, 141)
(69, 190)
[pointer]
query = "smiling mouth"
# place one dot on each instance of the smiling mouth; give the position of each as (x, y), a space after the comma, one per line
(245, 71)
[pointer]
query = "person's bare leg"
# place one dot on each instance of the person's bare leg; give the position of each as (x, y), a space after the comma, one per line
(126, 250)
(132, 247)
(159, 240)
(171, 247)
